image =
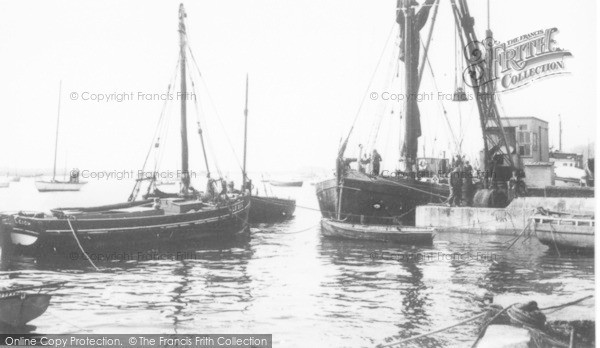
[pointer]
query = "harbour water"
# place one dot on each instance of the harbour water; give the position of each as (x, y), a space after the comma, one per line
(287, 280)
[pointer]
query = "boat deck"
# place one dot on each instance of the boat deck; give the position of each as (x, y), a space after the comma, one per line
(166, 206)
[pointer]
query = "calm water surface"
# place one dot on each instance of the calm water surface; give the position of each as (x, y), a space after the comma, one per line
(287, 280)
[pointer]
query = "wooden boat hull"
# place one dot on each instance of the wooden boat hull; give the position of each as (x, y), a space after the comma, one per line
(383, 233)
(18, 310)
(58, 186)
(286, 183)
(50, 236)
(271, 209)
(377, 200)
(565, 233)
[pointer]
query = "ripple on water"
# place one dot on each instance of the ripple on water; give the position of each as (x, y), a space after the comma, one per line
(288, 280)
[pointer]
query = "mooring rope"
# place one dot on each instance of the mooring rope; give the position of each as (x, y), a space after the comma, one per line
(484, 329)
(433, 332)
(558, 307)
(482, 332)
(81, 247)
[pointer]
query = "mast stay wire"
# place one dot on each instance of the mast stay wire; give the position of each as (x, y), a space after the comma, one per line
(164, 132)
(368, 86)
(215, 162)
(442, 104)
(210, 99)
(154, 140)
(382, 105)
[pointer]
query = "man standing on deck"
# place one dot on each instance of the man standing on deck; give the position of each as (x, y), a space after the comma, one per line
(375, 161)
(455, 187)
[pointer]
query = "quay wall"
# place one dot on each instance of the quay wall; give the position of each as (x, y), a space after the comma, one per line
(502, 221)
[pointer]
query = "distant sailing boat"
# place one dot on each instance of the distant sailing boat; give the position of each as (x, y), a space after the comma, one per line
(55, 185)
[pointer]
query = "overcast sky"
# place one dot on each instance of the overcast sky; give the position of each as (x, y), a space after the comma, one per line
(309, 63)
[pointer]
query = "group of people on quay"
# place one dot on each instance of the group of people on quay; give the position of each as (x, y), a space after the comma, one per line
(461, 183)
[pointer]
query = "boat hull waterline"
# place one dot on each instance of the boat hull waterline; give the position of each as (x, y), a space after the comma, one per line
(271, 209)
(286, 183)
(58, 186)
(18, 310)
(43, 235)
(377, 200)
(564, 233)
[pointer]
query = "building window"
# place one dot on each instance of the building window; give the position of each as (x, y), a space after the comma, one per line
(534, 142)
(524, 140)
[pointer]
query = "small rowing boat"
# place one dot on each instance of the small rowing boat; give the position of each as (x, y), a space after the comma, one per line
(563, 230)
(286, 183)
(383, 233)
(18, 307)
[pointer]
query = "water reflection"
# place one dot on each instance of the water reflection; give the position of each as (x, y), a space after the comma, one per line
(286, 279)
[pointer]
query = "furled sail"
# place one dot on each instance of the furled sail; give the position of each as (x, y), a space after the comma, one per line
(410, 24)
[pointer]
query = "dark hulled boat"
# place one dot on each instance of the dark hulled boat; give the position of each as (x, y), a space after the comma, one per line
(187, 215)
(263, 209)
(271, 209)
(19, 306)
(374, 199)
(356, 197)
(136, 223)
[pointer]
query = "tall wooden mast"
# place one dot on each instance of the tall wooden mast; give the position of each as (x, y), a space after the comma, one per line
(185, 176)
(57, 124)
(409, 146)
(411, 22)
(244, 179)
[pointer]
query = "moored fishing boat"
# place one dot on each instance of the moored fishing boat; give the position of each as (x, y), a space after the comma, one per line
(159, 217)
(561, 230)
(18, 306)
(383, 233)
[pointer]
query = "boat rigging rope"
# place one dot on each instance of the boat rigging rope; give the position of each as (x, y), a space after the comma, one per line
(201, 133)
(213, 104)
(81, 247)
(382, 105)
(157, 132)
(369, 86)
(442, 105)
